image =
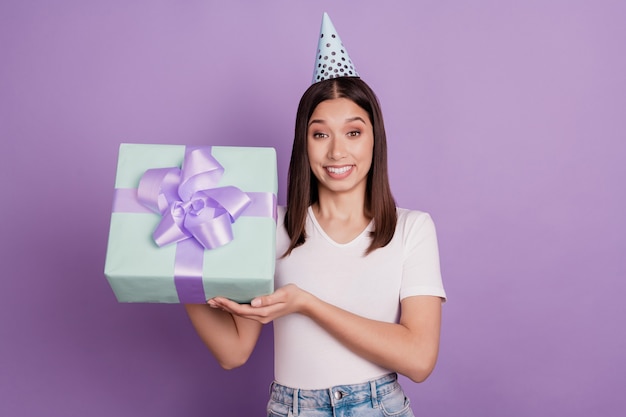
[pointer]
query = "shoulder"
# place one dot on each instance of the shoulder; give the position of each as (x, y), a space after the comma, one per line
(280, 211)
(413, 218)
(282, 238)
(414, 226)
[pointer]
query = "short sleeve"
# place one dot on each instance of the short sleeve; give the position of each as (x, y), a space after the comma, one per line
(421, 272)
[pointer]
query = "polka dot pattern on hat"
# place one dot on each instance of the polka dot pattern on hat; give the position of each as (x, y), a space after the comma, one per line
(332, 60)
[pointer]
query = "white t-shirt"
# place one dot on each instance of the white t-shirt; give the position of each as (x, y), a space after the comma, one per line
(305, 355)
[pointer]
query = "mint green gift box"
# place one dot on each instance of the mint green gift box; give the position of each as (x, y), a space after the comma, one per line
(138, 270)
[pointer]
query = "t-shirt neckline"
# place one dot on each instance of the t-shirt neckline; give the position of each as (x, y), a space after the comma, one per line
(321, 230)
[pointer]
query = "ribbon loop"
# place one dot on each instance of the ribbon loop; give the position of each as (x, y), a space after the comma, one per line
(190, 202)
(158, 188)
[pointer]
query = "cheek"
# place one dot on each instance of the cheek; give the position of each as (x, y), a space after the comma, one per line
(315, 152)
(366, 150)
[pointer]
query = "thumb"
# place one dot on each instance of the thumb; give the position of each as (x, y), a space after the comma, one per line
(257, 302)
(264, 300)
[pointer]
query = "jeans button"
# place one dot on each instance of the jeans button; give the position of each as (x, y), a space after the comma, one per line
(338, 395)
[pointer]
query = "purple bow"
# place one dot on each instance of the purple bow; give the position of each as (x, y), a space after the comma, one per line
(190, 203)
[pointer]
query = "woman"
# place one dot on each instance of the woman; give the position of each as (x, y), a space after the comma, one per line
(359, 290)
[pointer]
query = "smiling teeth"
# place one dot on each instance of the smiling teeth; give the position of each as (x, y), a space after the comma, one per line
(341, 170)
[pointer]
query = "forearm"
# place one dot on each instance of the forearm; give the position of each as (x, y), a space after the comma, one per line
(409, 347)
(230, 339)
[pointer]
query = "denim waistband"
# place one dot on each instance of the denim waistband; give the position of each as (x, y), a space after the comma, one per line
(334, 396)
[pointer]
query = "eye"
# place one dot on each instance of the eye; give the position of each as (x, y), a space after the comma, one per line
(354, 133)
(319, 135)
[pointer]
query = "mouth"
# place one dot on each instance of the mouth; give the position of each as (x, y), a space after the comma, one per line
(342, 170)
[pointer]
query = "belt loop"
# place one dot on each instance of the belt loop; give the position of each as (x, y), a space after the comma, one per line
(295, 406)
(374, 394)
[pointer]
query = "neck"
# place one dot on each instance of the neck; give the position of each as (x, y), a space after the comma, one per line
(341, 205)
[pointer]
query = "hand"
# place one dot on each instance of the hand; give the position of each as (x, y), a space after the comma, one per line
(286, 300)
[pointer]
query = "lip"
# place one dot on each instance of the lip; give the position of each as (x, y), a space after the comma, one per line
(338, 171)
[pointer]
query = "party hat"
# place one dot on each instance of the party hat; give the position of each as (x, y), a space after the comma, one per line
(332, 60)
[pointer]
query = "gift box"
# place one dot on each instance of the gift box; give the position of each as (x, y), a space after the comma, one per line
(192, 223)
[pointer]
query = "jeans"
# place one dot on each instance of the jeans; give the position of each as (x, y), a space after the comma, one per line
(380, 398)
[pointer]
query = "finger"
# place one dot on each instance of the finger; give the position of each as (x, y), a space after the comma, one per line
(265, 300)
(263, 314)
(224, 302)
(244, 310)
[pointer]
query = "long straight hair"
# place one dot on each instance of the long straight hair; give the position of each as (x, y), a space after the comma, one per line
(302, 185)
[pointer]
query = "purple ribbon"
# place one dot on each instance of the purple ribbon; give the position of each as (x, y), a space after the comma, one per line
(190, 203)
(196, 214)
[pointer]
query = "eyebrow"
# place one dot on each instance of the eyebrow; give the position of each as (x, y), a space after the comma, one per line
(348, 120)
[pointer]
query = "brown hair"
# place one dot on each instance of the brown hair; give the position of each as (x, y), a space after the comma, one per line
(302, 184)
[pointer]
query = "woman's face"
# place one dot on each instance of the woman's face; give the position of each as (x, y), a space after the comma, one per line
(340, 144)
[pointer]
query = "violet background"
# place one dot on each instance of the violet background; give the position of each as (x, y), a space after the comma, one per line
(506, 121)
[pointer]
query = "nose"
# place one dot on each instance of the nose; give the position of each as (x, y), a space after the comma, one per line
(336, 149)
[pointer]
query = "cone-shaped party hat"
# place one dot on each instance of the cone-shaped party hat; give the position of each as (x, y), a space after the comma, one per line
(332, 60)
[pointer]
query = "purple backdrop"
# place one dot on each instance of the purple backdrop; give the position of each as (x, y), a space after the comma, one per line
(506, 122)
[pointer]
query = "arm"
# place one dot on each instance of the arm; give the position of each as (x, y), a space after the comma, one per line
(409, 347)
(230, 339)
